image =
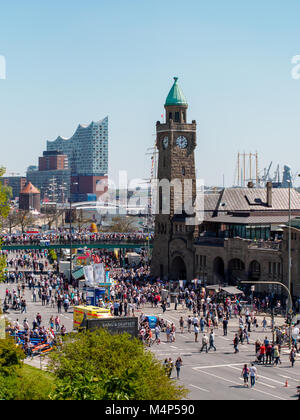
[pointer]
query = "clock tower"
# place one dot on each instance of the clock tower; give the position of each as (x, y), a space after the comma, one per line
(173, 250)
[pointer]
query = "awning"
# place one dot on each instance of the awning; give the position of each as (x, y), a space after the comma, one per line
(276, 228)
(231, 290)
(213, 287)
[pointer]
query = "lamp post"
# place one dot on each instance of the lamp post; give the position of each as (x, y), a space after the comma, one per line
(290, 305)
(73, 183)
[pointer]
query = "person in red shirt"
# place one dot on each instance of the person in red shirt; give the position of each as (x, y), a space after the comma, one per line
(262, 353)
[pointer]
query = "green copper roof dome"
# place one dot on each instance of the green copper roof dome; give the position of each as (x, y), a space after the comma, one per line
(176, 96)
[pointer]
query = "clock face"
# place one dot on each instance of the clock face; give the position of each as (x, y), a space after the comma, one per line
(182, 142)
(165, 142)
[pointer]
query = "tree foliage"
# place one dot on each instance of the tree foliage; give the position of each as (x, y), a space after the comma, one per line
(99, 365)
(5, 193)
(11, 357)
(121, 225)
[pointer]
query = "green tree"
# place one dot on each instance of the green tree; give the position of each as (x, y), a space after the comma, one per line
(98, 365)
(121, 225)
(5, 193)
(11, 357)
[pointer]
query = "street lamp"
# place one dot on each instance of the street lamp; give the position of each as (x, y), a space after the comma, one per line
(289, 248)
(73, 183)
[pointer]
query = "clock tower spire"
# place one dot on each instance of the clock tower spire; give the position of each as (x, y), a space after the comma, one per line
(176, 142)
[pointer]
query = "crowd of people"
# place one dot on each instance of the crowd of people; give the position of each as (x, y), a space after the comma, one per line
(37, 339)
(133, 290)
(51, 289)
(82, 237)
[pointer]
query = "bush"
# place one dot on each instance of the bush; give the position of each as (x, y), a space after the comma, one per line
(99, 365)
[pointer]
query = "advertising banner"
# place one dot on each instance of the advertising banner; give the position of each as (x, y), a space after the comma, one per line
(99, 273)
(89, 275)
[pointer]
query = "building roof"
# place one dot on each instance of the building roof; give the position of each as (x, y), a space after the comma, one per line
(176, 96)
(249, 205)
(260, 220)
(248, 199)
(30, 189)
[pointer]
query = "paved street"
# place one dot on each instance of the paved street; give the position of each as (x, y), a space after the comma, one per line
(216, 375)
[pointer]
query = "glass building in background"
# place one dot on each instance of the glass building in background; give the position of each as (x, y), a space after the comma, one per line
(87, 149)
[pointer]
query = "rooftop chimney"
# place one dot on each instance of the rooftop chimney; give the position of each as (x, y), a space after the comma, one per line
(269, 194)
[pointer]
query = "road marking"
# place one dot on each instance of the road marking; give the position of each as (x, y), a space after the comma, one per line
(201, 389)
(217, 366)
(236, 383)
(288, 377)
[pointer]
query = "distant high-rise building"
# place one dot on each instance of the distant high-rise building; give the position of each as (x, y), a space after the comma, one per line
(87, 149)
(87, 154)
(53, 161)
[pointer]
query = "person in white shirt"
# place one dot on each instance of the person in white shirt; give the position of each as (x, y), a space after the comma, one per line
(253, 375)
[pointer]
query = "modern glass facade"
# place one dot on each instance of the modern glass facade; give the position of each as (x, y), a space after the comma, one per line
(87, 149)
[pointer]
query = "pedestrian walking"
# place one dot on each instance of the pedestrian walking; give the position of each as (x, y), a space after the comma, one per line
(178, 365)
(276, 355)
(225, 326)
(196, 331)
(181, 324)
(204, 343)
(245, 375)
(293, 356)
(212, 341)
(253, 375)
(170, 367)
(236, 343)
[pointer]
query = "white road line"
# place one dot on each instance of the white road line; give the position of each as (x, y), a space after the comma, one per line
(201, 389)
(236, 383)
(288, 377)
(217, 366)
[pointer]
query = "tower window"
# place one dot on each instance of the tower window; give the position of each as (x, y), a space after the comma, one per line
(177, 116)
(183, 171)
(170, 115)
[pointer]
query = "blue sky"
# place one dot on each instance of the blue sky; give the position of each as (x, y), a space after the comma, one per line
(71, 62)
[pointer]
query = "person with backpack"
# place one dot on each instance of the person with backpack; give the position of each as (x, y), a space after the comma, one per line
(245, 375)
